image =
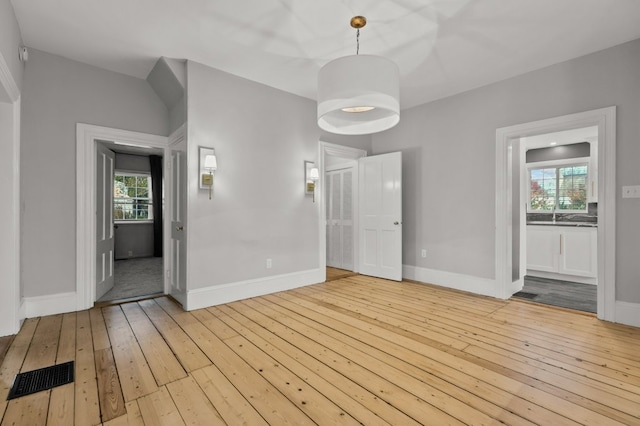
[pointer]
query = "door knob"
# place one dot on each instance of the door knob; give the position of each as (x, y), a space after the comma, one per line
(179, 228)
(396, 223)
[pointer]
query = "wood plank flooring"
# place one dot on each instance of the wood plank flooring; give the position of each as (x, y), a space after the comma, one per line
(358, 350)
(336, 274)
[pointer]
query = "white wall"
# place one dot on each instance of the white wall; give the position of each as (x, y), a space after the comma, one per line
(262, 136)
(58, 93)
(449, 166)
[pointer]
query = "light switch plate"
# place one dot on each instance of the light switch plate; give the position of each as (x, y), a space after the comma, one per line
(631, 191)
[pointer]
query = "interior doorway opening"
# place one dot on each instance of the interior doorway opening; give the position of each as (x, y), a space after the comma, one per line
(136, 205)
(510, 209)
(557, 175)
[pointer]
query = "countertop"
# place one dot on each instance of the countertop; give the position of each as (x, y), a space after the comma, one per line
(562, 223)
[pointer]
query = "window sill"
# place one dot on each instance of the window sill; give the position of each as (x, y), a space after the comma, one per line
(131, 222)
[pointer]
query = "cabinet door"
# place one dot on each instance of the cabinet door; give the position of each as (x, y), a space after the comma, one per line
(578, 254)
(543, 244)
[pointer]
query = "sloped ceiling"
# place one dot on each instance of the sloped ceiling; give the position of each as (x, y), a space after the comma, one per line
(443, 47)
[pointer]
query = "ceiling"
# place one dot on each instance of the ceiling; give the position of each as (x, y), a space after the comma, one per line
(442, 47)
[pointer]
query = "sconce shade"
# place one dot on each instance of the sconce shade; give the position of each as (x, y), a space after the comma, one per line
(314, 175)
(358, 95)
(210, 162)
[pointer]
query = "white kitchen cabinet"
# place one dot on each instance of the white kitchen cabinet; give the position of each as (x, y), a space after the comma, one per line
(578, 251)
(562, 250)
(542, 248)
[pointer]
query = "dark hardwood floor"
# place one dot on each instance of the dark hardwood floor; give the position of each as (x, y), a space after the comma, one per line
(564, 294)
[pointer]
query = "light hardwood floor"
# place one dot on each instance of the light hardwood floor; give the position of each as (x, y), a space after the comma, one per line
(356, 350)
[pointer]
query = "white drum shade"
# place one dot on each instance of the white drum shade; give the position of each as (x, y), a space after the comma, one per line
(358, 82)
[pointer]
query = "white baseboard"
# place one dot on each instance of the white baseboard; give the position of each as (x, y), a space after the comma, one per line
(225, 293)
(477, 285)
(50, 304)
(628, 313)
(563, 277)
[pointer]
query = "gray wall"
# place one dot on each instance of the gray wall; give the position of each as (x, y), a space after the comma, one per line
(262, 136)
(134, 238)
(132, 163)
(449, 161)
(58, 93)
(563, 152)
(10, 41)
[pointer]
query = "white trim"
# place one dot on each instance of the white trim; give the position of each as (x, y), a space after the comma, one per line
(14, 303)
(7, 81)
(324, 149)
(226, 293)
(628, 313)
(86, 138)
(471, 284)
(562, 277)
(50, 304)
(605, 119)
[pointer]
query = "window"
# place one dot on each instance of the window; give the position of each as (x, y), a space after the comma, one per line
(132, 197)
(563, 188)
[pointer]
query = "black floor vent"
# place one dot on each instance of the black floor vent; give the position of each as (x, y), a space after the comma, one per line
(525, 295)
(41, 379)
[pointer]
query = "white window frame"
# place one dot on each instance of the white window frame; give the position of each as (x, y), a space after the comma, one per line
(151, 201)
(569, 162)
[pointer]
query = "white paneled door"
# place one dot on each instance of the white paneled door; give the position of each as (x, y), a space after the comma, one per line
(178, 251)
(380, 180)
(339, 204)
(104, 220)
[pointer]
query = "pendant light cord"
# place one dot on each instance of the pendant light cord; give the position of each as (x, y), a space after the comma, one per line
(358, 41)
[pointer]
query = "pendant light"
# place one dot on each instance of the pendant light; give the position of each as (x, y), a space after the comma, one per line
(358, 94)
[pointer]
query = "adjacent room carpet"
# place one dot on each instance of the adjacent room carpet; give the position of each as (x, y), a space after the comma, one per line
(565, 294)
(135, 278)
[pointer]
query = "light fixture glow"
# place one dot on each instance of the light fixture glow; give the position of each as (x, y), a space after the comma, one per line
(358, 94)
(358, 109)
(553, 143)
(311, 176)
(208, 165)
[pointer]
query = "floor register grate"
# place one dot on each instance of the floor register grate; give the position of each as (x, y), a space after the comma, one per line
(41, 379)
(525, 295)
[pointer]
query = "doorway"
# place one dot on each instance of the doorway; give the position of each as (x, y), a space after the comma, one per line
(510, 210)
(376, 212)
(88, 138)
(136, 207)
(557, 175)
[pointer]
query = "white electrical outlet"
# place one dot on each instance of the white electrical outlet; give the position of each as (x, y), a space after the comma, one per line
(631, 191)
(269, 264)
(424, 253)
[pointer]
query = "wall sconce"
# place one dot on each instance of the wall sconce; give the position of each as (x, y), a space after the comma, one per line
(311, 175)
(208, 165)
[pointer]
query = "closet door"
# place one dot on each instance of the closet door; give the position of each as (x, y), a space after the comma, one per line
(339, 196)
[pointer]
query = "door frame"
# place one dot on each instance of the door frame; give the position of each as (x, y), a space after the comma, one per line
(326, 149)
(87, 136)
(605, 119)
(12, 303)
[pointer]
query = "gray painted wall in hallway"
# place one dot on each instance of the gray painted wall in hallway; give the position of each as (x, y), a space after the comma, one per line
(57, 94)
(449, 165)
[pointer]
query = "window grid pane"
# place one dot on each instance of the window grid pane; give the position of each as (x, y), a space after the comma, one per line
(132, 198)
(561, 187)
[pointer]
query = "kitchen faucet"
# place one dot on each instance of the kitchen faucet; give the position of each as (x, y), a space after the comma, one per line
(554, 213)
